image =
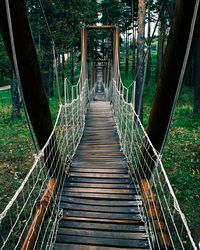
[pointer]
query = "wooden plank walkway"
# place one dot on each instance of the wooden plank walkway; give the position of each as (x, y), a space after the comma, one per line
(100, 204)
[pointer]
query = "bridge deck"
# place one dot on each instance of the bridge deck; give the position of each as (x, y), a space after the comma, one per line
(99, 202)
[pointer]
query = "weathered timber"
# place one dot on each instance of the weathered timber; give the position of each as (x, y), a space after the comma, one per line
(99, 201)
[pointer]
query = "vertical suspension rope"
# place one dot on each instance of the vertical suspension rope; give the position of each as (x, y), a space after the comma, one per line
(56, 71)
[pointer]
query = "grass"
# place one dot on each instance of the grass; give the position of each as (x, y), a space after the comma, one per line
(16, 150)
(16, 147)
(181, 159)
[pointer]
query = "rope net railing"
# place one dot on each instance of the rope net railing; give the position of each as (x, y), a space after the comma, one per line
(165, 222)
(32, 215)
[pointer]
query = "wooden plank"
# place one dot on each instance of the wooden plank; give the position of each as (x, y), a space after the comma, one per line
(101, 202)
(102, 129)
(98, 140)
(99, 185)
(105, 163)
(98, 170)
(103, 241)
(105, 209)
(111, 153)
(102, 135)
(102, 149)
(93, 175)
(101, 215)
(100, 158)
(91, 165)
(99, 180)
(108, 162)
(101, 132)
(101, 196)
(99, 190)
(102, 226)
(69, 246)
(102, 234)
(118, 222)
(103, 143)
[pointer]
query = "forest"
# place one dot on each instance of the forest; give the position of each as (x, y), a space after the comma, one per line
(145, 30)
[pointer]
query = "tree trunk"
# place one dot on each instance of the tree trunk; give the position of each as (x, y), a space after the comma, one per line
(51, 76)
(72, 66)
(133, 42)
(148, 75)
(160, 48)
(169, 77)
(63, 71)
(15, 98)
(140, 57)
(47, 67)
(126, 64)
(197, 81)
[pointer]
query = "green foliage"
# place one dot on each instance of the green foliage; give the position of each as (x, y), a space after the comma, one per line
(115, 12)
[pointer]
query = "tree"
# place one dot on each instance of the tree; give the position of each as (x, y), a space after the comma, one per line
(149, 20)
(15, 98)
(164, 25)
(115, 12)
(140, 57)
(133, 4)
(197, 80)
(8, 77)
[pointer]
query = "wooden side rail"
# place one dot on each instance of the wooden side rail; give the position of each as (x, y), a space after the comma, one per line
(154, 212)
(41, 209)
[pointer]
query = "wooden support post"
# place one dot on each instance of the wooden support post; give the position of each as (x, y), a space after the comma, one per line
(92, 74)
(41, 210)
(108, 75)
(155, 215)
(84, 54)
(104, 74)
(116, 54)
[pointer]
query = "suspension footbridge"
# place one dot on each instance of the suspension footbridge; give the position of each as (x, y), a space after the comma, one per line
(98, 182)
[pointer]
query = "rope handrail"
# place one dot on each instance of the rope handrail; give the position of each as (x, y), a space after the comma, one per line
(165, 221)
(53, 159)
